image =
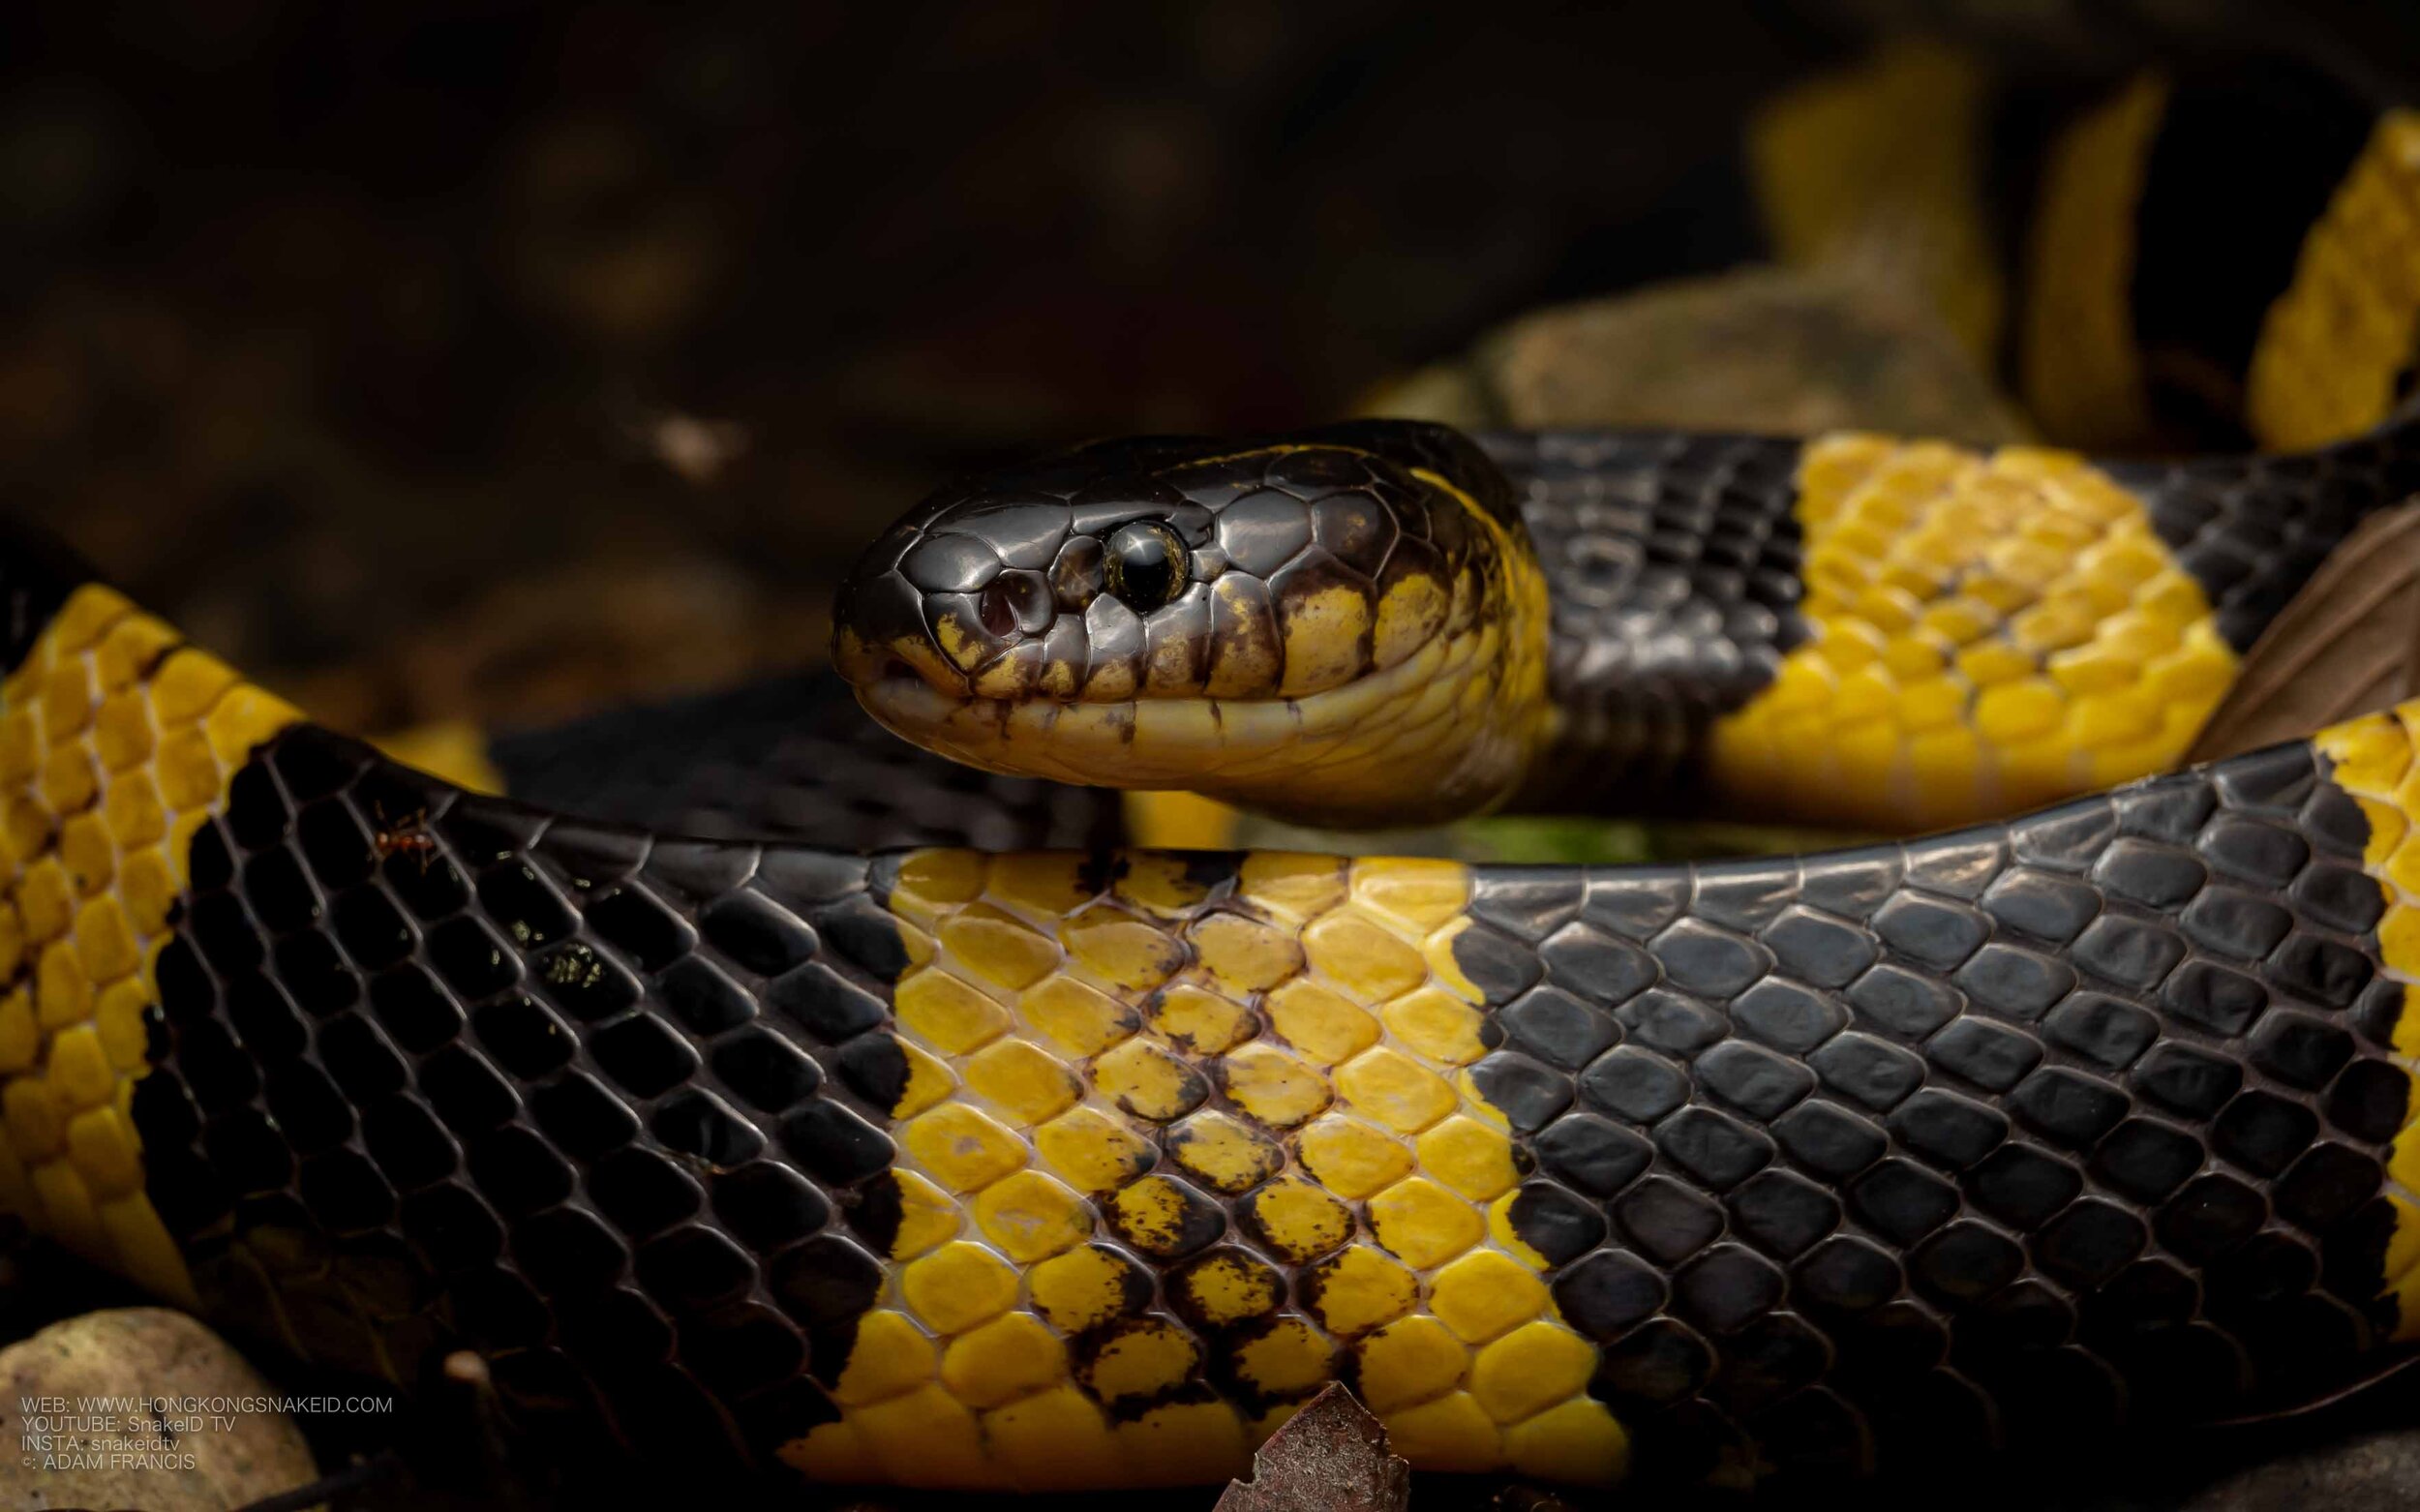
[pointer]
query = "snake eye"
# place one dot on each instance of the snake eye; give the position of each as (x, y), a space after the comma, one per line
(1146, 565)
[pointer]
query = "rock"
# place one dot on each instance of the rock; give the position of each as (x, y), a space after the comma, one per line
(142, 1352)
(1781, 350)
(1450, 393)
(1842, 184)
(2376, 1473)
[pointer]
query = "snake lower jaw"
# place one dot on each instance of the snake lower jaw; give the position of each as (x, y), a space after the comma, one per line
(1277, 757)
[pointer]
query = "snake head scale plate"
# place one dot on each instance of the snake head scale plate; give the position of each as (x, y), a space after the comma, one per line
(1343, 626)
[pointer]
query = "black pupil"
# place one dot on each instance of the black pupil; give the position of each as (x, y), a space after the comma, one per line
(1146, 565)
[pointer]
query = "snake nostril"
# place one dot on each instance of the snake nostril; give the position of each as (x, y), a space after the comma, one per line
(993, 609)
(1017, 600)
(1030, 598)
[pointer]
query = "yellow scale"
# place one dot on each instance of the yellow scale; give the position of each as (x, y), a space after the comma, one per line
(2334, 344)
(2373, 759)
(116, 744)
(2079, 367)
(1058, 1040)
(1987, 632)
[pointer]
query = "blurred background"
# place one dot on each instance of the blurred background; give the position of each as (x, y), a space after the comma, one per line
(454, 359)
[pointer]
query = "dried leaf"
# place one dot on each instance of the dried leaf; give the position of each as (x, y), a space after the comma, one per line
(2349, 643)
(1330, 1457)
(2376, 1376)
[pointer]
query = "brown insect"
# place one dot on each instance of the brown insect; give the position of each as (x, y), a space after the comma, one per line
(404, 837)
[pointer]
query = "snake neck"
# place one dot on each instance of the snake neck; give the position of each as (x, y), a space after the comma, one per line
(1458, 729)
(1508, 719)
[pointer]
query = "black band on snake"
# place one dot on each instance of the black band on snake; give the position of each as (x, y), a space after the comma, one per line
(1049, 1169)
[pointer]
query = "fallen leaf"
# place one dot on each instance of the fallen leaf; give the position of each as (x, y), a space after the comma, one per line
(1330, 1457)
(2347, 643)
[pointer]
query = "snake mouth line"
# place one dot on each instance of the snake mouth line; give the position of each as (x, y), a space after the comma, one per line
(1159, 741)
(1261, 746)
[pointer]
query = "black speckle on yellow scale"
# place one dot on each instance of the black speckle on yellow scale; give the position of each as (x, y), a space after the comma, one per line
(1247, 1077)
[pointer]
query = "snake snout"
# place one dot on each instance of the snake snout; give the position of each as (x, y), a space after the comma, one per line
(1040, 600)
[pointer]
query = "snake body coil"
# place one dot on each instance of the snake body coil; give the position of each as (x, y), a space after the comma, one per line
(1075, 1167)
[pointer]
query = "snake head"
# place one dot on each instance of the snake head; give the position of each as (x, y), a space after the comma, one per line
(1299, 624)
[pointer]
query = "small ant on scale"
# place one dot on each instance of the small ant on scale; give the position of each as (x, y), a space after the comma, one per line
(404, 837)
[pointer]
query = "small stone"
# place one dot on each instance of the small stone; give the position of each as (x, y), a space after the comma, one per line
(1784, 351)
(142, 1352)
(2376, 1473)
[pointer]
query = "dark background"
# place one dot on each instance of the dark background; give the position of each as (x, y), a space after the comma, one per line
(349, 335)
